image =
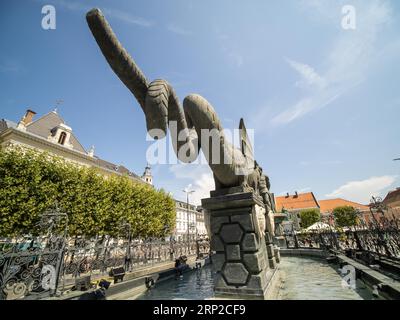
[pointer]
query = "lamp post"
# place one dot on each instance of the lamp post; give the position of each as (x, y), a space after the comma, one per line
(187, 191)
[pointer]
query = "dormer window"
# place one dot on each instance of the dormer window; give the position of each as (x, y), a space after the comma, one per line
(61, 139)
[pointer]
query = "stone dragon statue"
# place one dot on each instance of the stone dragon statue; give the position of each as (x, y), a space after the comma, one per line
(160, 104)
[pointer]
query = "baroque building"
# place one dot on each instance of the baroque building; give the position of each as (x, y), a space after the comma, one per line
(50, 133)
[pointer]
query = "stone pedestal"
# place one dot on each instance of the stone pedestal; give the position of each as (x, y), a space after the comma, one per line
(237, 224)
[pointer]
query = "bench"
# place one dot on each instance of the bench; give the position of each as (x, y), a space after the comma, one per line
(83, 283)
(118, 274)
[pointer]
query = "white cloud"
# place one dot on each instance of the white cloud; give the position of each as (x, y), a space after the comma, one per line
(362, 191)
(177, 29)
(346, 66)
(127, 17)
(309, 76)
(198, 178)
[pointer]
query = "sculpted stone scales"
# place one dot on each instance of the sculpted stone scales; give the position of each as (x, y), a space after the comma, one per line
(241, 206)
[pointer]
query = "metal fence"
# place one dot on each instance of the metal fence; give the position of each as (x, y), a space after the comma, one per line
(381, 242)
(45, 266)
(48, 264)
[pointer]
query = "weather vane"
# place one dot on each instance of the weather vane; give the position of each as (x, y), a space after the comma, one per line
(58, 102)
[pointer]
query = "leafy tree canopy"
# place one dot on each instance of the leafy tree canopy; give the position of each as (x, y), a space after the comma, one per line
(32, 181)
(309, 217)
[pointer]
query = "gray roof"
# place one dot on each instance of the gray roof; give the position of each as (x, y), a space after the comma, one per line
(5, 124)
(117, 168)
(43, 127)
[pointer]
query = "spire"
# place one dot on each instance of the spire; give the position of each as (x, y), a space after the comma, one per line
(147, 176)
(91, 151)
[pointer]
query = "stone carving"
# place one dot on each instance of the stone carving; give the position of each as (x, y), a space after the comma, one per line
(238, 210)
(261, 221)
(160, 105)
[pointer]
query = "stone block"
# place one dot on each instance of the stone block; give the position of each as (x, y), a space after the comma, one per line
(277, 254)
(254, 261)
(218, 261)
(245, 220)
(250, 242)
(216, 243)
(233, 252)
(235, 273)
(272, 263)
(270, 250)
(216, 222)
(219, 281)
(268, 238)
(258, 281)
(231, 233)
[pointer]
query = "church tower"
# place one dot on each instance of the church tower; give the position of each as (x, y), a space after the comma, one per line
(147, 176)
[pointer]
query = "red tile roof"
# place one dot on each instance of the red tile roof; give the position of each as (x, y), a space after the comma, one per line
(392, 199)
(330, 204)
(296, 202)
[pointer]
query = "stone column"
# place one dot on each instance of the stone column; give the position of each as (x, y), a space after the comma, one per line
(237, 223)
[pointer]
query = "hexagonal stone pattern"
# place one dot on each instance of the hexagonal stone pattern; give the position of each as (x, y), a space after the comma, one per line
(245, 220)
(215, 223)
(250, 242)
(216, 243)
(218, 261)
(235, 273)
(231, 233)
(233, 252)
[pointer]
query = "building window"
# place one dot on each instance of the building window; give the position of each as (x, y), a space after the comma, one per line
(61, 139)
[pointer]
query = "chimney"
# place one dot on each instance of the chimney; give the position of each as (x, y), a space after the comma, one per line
(287, 195)
(296, 194)
(28, 117)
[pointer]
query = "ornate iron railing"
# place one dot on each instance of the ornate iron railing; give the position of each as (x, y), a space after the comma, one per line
(42, 267)
(50, 262)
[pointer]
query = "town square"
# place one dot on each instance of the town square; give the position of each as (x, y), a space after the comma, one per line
(187, 150)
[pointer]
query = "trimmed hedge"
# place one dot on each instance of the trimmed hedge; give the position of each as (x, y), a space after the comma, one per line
(31, 181)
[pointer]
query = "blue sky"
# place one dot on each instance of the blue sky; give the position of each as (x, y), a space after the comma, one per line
(323, 101)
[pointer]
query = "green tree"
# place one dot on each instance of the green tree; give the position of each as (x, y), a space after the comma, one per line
(31, 181)
(308, 217)
(345, 216)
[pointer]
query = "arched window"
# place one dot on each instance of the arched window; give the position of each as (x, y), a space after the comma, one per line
(62, 138)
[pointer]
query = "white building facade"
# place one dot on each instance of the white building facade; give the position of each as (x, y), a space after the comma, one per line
(189, 222)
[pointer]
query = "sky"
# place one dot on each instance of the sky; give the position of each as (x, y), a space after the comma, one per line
(323, 100)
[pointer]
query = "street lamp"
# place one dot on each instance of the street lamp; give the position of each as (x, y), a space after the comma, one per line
(187, 191)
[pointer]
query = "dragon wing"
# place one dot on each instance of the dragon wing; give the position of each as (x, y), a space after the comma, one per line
(246, 147)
